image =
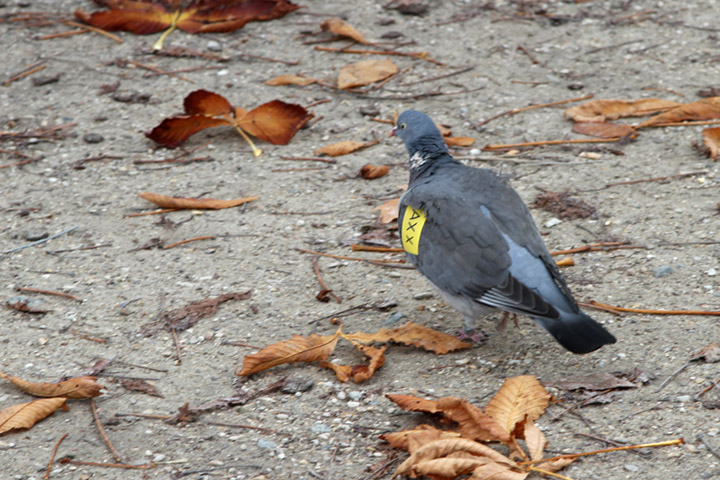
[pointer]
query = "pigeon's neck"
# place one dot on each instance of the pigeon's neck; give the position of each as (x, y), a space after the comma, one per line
(424, 163)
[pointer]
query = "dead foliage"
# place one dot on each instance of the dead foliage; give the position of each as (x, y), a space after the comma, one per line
(184, 203)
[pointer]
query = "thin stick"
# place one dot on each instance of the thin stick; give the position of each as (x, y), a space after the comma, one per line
(323, 285)
(508, 146)
(343, 257)
(420, 55)
(657, 312)
(48, 292)
(598, 247)
(656, 179)
(546, 472)
(182, 242)
(604, 309)
(438, 77)
(237, 425)
(116, 455)
(52, 456)
(310, 159)
(530, 55)
(24, 74)
(677, 441)
(267, 59)
(672, 375)
(708, 446)
(38, 242)
(17, 164)
(85, 336)
(154, 212)
(367, 248)
(64, 34)
(185, 70)
(157, 70)
(301, 169)
(684, 124)
(177, 344)
(532, 107)
(108, 465)
(70, 23)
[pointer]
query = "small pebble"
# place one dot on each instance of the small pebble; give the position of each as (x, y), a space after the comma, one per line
(394, 318)
(552, 222)
(159, 457)
(297, 384)
(474, 152)
(355, 395)
(93, 138)
(266, 444)
(662, 271)
(41, 80)
(319, 428)
(631, 468)
(369, 111)
(712, 272)
(35, 236)
(423, 296)
(684, 398)
(341, 395)
(214, 46)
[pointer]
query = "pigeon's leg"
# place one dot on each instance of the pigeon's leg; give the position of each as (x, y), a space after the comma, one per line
(471, 332)
(503, 321)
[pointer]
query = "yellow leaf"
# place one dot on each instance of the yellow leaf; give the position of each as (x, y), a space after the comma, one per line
(416, 335)
(519, 398)
(365, 72)
(28, 414)
(297, 349)
(81, 387)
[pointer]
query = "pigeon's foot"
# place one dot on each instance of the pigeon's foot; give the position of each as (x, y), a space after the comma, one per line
(504, 319)
(473, 335)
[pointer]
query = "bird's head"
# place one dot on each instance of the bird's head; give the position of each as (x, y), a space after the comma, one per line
(419, 133)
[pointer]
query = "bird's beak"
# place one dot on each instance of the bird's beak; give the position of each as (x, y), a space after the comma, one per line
(393, 132)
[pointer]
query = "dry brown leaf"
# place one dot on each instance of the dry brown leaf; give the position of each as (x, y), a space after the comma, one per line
(389, 210)
(80, 387)
(472, 422)
(411, 440)
(342, 372)
(365, 72)
(412, 403)
(360, 373)
(343, 148)
(28, 414)
(711, 141)
(448, 467)
(290, 80)
(518, 399)
(555, 465)
(496, 471)
(459, 141)
(140, 385)
(705, 109)
(604, 129)
(444, 447)
(276, 122)
(535, 440)
(710, 353)
(371, 172)
(416, 335)
(297, 349)
(183, 203)
(603, 110)
(340, 27)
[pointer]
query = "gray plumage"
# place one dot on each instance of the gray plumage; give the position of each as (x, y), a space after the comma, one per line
(479, 246)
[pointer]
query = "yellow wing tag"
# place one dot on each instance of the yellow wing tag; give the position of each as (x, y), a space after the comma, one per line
(412, 225)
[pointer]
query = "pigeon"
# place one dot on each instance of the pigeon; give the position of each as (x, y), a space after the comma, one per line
(471, 235)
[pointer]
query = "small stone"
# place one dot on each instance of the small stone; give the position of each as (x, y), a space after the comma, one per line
(34, 236)
(41, 80)
(394, 318)
(474, 152)
(369, 111)
(93, 138)
(552, 222)
(423, 296)
(159, 457)
(352, 404)
(341, 395)
(266, 444)
(631, 468)
(663, 271)
(294, 385)
(575, 86)
(319, 428)
(355, 395)
(712, 272)
(684, 398)
(214, 46)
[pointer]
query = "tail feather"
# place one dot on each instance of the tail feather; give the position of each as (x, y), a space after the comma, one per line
(577, 332)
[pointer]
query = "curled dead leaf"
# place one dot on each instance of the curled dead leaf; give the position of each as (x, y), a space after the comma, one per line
(711, 142)
(342, 372)
(340, 27)
(290, 80)
(389, 210)
(520, 398)
(26, 415)
(360, 373)
(276, 122)
(343, 148)
(448, 467)
(365, 72)
(534, 439)
(411, 440)
(371, 172)
(203, 102)
(459, 141)
(472, 422)
(298, 349)
(705, 109)
(604, 129)
(416, 335)
(710, 353)
(412, 403)
(80, 387)
(603, 110)
(183, 203)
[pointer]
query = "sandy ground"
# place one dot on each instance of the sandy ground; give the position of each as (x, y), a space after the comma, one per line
(612, 49)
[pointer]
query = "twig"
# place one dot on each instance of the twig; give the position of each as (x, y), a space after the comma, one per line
(85, 336)
(52, 456)
(185, 70)
(598, 247)
(91, 247)
(656, 312)
(381, 469)
(530, 55)
(532, 107)
(28, 71)
(258, 57)
(162, 370)
(310, 159)
(156, 70)
(672, 375)
(108, 465)
(656, 179)
(367, 248)
(508, 146)
(603, 309)
(325, 290)
(177, 344)
(17, 164)
(154, 212)
(38, 242)
(116, 455)
(343, 257)
(63, 34)
(420, 55)
(48, 292)
(439, 77)
(707, 445)
(677, 441)
(547, 472)
(237, 425)
(182, 242)
(70, 23)
(684, 124)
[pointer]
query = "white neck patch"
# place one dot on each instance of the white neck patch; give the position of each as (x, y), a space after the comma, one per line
(417, 160)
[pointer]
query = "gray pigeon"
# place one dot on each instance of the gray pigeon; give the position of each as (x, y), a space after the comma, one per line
(472, 236)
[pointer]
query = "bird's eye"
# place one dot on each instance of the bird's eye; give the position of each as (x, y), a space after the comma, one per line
(403, 126)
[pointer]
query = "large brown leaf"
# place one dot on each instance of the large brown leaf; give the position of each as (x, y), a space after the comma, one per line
(603, 110)
(711, 142)
(80, 387)
(203, 102)
(173, 131)
(184, 203)
(497, 471)
(472, 422)
(276, 122)
(389, 210)
(705, 109)
(520, 398)
(416, 335)
(365, 72)
(342, 372)
(28, 414)
(298, 349)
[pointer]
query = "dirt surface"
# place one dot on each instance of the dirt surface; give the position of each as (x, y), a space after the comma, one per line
(612, 49)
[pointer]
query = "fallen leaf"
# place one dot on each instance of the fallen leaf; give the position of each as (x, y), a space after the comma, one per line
(203, 102)
(298, 349)
(710, 353)
(416, 335)
(276, 122)
(448, 467)
(412, 403)
(343, 148)
(705, 109)
(421, 435)
(183, 203)
(472, 422)
(140, 385)
(365, 72)
(340, 27)
(534, 439)
(711, 141)
(25, 304)
(290, 80)
(555, 465)
(497, 471)
(603, 110)
(342, 372)
(80, 387)
(172, 132)
(371, 172)
(360, 373)
(594, 381)
(459, 141)
(26, 415)
(520, 398)
(604, 129)
(389, 210)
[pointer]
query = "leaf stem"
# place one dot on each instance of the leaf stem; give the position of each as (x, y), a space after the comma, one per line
(677, 441)
(158, 45)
